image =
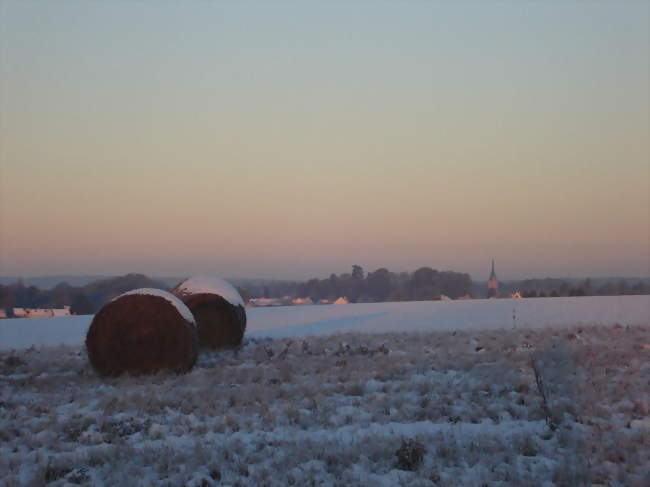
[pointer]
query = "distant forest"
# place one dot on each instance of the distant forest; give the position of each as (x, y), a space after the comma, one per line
(551, 287)
(382, 285)
(357, 286)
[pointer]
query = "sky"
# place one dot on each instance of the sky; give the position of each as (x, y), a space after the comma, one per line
(294, 139)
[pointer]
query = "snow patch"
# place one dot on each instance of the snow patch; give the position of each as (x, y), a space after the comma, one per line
(211, 285)
(183, 310)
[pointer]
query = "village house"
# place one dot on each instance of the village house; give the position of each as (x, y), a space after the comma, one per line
(41, 312)
(262, 302)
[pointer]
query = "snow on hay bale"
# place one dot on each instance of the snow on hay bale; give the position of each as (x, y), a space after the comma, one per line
(141, 332)
(218, 309)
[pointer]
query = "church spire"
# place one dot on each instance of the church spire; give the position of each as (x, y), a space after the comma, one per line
(492, 284)
(493, 275)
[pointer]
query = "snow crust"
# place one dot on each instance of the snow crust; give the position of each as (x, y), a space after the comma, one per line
(183, 310)
(211, 285)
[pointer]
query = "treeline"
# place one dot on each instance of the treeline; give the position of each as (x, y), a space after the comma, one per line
(81, 299)
(382, 285)
(549, 287)
(357, 286)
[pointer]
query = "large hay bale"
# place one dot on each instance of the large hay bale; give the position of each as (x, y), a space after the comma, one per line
(217, 308)
(141, 332)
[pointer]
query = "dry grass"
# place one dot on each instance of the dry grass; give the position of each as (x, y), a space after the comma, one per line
(335, 410)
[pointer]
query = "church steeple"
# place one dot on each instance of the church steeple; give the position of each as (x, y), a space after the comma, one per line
(493, 284)
(493, 275)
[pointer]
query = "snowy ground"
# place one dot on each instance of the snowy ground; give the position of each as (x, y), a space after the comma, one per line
(299, 321)
(458, 408)
(298, 406)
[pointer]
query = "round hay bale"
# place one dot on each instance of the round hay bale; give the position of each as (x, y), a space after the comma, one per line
(142, 332)
(217, 308)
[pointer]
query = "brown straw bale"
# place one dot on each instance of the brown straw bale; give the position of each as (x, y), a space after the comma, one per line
(141, 334)
(219, 322)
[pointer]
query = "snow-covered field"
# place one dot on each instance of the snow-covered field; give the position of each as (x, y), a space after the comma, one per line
(448, 397)
(296, 321)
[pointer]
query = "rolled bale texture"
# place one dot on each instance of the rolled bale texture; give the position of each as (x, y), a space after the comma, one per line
(217, 308)
(141, 332)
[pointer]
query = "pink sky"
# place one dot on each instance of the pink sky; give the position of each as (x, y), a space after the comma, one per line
(287, 144)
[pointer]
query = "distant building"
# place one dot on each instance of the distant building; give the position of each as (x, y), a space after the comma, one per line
(65, 311)
(20, 313)
(302, 301)
(492, 284)
(263, 302)
(341, 300)
(3, 313)
(41, 312)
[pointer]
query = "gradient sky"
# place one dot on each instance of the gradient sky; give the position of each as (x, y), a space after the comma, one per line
(293, 139)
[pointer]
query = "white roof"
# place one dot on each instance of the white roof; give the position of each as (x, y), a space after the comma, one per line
(183, 310)
(210, 285)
